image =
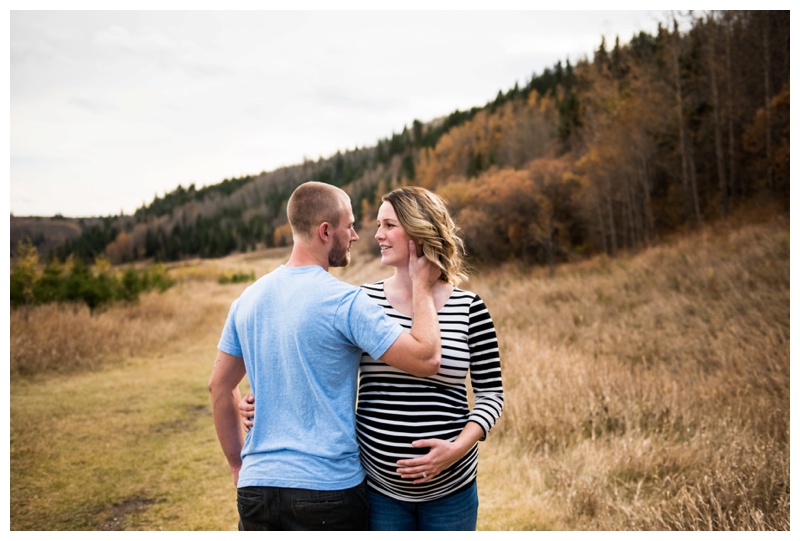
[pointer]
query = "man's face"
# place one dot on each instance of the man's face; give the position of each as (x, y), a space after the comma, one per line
(343, 237)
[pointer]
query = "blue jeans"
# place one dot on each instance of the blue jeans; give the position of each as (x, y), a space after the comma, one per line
(458, 512)
(271, 508)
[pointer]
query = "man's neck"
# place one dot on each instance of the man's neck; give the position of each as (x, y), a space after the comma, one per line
(305, 256)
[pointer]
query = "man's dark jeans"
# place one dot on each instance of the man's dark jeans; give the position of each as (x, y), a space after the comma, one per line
(270, 508)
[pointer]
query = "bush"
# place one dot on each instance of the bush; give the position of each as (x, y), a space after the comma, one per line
(23, 275)
(74, 281)
(238, 277)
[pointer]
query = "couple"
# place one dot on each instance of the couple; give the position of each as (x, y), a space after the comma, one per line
(300, 336)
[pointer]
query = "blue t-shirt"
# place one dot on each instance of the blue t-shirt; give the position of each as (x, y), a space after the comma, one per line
(301, 332)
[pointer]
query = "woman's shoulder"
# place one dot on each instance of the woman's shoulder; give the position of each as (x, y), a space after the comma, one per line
(463, 293)
(374, 289)
(468, 298)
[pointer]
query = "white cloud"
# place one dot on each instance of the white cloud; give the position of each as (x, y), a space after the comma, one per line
(164, 51)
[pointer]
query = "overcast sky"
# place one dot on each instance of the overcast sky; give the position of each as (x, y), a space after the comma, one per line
(112, 108)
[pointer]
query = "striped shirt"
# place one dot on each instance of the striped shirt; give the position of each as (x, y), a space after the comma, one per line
(396, 408)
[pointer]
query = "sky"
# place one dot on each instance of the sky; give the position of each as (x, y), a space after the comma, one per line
(109, 109)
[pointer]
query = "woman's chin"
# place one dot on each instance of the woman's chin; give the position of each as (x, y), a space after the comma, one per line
(388, 261)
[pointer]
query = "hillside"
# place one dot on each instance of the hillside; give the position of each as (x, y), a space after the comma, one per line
(47, 234)
(666, 132)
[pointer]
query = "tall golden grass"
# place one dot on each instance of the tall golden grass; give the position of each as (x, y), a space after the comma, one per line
(67, 338)
(648, 392)
(645, 392)
(64, 339)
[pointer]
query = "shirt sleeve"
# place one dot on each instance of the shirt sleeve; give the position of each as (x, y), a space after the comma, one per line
(487, 382)
(367, 325)
(229, 340)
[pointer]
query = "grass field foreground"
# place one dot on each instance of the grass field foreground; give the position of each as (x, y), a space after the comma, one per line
(646, 392)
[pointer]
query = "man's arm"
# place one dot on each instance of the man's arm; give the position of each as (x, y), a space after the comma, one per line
(224, 389)
(420, 352)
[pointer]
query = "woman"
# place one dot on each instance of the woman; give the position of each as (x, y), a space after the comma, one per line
(417, 436)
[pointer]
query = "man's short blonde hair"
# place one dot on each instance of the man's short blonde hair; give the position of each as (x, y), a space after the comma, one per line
(311, 204)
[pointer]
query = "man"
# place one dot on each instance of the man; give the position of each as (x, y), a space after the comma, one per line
(298, 334)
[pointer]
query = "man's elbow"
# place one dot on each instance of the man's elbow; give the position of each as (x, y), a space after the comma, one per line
(414, 357)
(213, 389)
(216, 389)
(225, 377)
(430, 366)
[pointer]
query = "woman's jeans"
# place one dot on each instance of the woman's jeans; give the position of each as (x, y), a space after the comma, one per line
(270, 508)
(458, 512)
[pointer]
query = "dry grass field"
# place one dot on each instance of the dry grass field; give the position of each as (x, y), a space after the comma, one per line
(646, 392)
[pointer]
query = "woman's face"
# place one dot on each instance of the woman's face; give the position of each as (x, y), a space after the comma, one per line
(391, 237)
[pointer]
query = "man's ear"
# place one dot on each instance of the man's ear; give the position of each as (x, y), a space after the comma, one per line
(324, 231)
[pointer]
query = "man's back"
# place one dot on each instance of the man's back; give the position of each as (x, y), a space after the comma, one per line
(301, 333)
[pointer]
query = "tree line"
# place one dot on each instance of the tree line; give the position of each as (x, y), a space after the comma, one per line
(670, 130)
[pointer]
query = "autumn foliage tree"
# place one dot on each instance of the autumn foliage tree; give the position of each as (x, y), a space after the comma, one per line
(520, 214)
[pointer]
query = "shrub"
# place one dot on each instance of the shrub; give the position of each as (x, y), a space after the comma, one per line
(238, 277)
(74, 281)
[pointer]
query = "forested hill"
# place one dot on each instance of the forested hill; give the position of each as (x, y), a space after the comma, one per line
(664, 132)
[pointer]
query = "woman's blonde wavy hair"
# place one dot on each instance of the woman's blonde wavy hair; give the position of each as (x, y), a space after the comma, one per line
(424, 217)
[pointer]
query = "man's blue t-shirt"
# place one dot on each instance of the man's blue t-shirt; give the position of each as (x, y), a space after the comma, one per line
(301, 332)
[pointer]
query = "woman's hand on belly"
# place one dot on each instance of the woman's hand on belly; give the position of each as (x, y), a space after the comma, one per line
(442, 455)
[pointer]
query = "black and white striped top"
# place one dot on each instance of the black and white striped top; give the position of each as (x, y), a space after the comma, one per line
(396, 408)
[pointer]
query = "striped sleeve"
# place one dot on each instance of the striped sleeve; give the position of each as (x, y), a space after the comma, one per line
(487, 383)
